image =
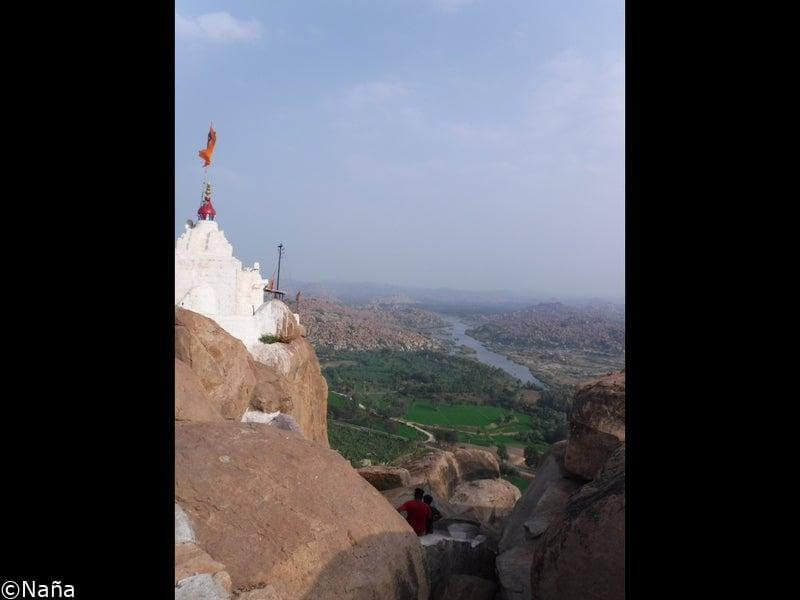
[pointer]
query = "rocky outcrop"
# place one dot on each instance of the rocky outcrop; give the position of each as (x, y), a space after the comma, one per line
(518, 543)
(457, 548)
(597, 425)
(192, 402)
(220, 362)
(565, 538)
(289, 380)
(217, 378)
(287, 326)
(197, 575)
(583, 555)
(476, 463)
(467, 587)
(487, 501)
(385, 478)
(437, 470)
(551, 470)
(286, 518)
(464, 483)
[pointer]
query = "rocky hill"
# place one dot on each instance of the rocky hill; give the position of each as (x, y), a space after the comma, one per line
(397, 326)
(217, 379)
(565, 539)
(264, 510)
(262, 513)
(556, 326)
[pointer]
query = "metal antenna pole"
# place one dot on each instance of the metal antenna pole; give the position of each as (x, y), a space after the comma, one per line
(280, 253)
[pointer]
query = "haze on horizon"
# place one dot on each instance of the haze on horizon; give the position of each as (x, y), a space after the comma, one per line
(424, 143)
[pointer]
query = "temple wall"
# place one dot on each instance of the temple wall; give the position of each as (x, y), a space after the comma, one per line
(211, 281)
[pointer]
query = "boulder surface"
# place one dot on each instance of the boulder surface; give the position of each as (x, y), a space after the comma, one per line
(597, 425)
(217, 378)
(583, 555)
(385, 477)
(286, 517)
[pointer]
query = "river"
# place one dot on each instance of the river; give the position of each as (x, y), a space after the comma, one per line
(458, 329)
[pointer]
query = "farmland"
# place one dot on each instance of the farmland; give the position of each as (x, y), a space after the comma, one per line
(357, 444)
(456, 399)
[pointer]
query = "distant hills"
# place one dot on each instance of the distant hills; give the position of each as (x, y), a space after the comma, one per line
(554, 325)
(443, 299)
(396, 325)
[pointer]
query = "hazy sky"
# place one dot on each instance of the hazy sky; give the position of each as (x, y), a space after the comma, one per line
(452, 143)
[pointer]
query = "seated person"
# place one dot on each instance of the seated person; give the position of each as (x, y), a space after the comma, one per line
(417, 512)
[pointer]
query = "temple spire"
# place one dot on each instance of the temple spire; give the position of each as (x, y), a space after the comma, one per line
(206, 211)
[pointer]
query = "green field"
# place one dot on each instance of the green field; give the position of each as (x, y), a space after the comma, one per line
(454, 415)
(483, 425)
(455, 398)
(356, 445)
(343, 409)
(336, 400)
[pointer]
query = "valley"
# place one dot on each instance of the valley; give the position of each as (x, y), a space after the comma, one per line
(497, 380)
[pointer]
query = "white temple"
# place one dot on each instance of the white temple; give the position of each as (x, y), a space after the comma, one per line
(209, 280)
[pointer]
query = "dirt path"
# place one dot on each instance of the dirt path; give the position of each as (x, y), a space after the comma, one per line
(430, 439)
(369, 430)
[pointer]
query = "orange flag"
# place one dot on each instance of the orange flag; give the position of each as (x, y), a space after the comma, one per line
(212, 139)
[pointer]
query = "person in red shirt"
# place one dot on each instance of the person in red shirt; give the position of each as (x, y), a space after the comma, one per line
(417, 512)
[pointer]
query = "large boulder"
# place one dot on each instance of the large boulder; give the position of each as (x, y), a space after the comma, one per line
(300, 390)
(597, 424)
(565, 538)
(287, 326)
(197, 575)
(386, 478)
(476, 463)
(192, 402)
(583, 555)
(286, 517)
(550, 470)
(487, 501)
(446, 555)
(220, 361)
(543, 503)
(438, 470)
(217, 378)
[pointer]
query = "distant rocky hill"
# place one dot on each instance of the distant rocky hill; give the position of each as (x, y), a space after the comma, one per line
(553, 325)
(393, 325)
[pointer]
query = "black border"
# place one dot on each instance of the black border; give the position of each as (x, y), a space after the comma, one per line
(88, 416)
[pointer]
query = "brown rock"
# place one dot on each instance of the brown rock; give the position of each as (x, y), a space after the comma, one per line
(293, 383)
(538, 508)
(438, 470)
(385, 478)
(191, 560)
(597, 425)
(487, 501)
(219, 379)
(583, 556)
(191, 399)
(220, 361)
(467, 587)
(278, 510)
(476, 463)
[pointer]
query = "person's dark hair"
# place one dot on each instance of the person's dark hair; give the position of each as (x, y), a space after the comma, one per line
(418, 493)
(428, 499)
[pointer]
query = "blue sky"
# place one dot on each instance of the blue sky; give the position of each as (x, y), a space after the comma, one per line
(431, 143)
